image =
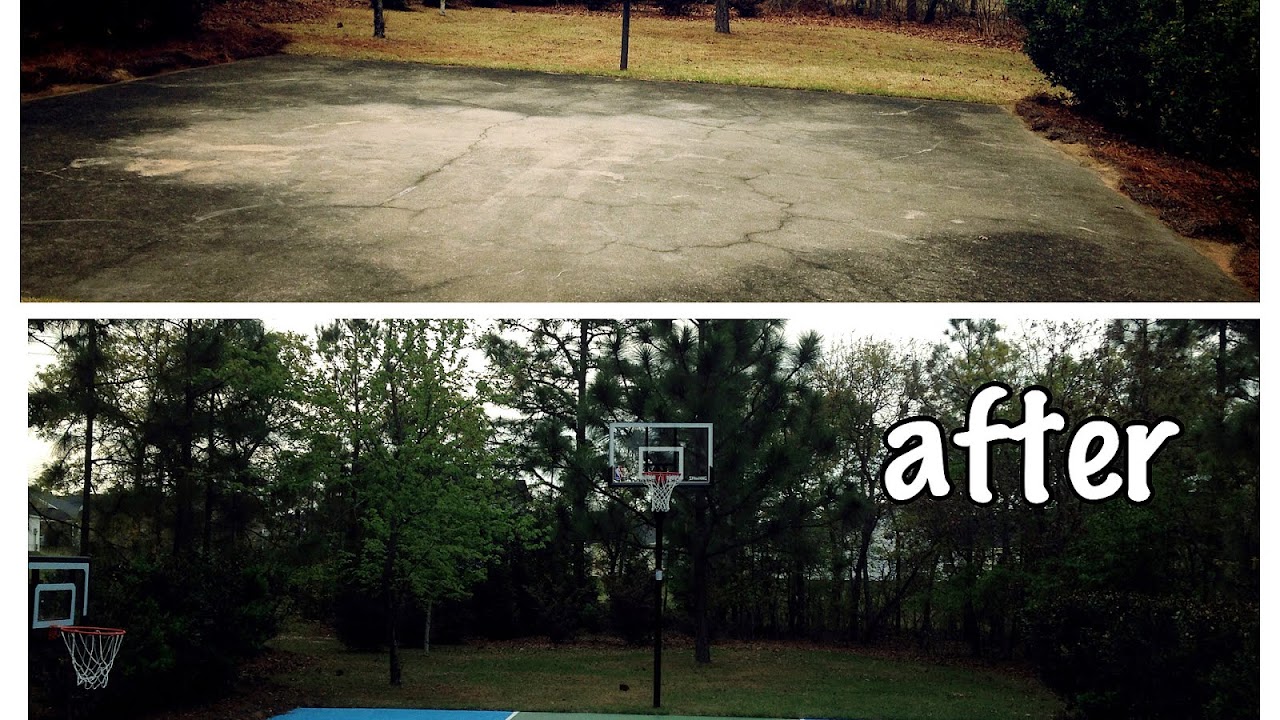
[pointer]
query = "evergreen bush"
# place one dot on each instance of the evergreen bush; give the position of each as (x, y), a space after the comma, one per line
(1183, 72)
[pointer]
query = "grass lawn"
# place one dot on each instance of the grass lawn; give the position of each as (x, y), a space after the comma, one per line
(747, 681)
(756, 52)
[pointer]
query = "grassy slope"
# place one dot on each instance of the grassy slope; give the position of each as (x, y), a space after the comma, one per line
(755, 53)
(766, 681)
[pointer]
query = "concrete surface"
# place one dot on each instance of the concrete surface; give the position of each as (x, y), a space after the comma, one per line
(302, 179)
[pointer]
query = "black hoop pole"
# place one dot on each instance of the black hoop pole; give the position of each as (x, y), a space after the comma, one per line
(626, 31)
(657, 610)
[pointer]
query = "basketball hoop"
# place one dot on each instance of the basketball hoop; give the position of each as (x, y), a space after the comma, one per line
(660, 486)
(93, 652)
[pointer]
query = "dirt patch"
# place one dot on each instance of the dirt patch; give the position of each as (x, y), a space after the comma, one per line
(1217, 209)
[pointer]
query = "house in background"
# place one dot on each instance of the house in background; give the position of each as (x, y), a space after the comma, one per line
(53, 523)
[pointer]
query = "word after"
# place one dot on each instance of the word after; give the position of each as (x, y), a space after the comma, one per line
(918, 454)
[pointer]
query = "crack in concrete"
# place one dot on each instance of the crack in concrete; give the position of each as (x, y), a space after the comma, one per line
(423, 178)
(54, 173)
(219, 213)
(72, 220)
(787, 215)
(354, 206)
(417, 291)
(900, 112)
(918, 152)
(745, 99)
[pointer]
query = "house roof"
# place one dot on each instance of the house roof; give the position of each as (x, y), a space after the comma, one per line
(65, 508)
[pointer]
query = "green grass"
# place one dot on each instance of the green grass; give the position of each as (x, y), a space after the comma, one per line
(757, 52)
(744, 681)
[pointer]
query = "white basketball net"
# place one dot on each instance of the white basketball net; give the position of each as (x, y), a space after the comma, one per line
(660, 486)
(93, 652)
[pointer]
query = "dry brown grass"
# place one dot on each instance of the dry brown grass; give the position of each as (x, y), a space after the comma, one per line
(761, 53)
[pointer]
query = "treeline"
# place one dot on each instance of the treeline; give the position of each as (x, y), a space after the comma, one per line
(988, 13)
(126, 23)
(376, 476)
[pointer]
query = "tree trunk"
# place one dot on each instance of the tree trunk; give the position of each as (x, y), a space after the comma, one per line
(394, 639)
(970, 630)
(871, 626)
(426, 630)
(861, 626)
(186, 438)
(379, 22)
(926, 612)
(931, 12)
(913, 10)
(91, 411)
(393, 604)
(702, 628)
(442, 7)
(836, 600)
(206, 538)
(798, 604)
(583, 481)
(722, 16)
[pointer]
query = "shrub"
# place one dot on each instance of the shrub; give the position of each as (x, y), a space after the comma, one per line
(190, 625)
(359, 619)
(1136, 656)
(746, 8)
(631, 604)
(109, 22)
(675, 8)
(1185, 73)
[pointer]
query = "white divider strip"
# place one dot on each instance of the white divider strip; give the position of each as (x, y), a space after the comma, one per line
(512, 715)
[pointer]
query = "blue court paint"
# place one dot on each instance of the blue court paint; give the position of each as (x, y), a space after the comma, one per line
(391, 714)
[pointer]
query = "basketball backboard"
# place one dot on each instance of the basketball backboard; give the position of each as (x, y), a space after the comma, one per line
(58, 590)
(683, 448)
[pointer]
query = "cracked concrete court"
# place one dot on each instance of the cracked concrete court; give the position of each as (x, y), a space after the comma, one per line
(303, 179)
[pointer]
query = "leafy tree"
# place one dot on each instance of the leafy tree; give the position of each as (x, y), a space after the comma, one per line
(422, 484)
(864, 386)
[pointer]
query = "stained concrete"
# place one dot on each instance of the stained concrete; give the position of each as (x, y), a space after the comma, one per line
(303, 179)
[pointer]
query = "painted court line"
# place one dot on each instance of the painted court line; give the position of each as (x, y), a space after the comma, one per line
(420, 714)
(393, 714)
